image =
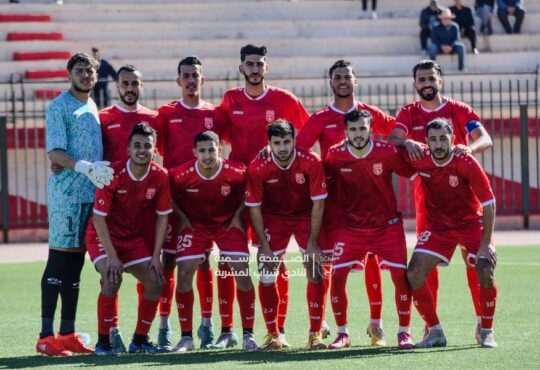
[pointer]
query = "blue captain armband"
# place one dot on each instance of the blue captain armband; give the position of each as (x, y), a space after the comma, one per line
(472, 124)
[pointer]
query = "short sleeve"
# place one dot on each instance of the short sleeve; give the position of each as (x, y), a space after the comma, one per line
(161, 128)
(56, 132)
(297, 114)
(309, 134)
(163, 199)
(317, 180)
(400, 165)
(104, 198)
(221, 124)
(383, 123)
(479, 182)
(403, 121)
(254, 186)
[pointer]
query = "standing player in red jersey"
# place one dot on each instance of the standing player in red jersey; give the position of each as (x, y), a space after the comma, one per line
(326, 127)
(117, 242)
(178, 123)
(250, 109)
(208, 198)
(460, 210)
(299, 176)
(409, 132)
(361, 170)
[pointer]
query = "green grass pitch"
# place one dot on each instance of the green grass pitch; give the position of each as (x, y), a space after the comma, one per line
(517, 324)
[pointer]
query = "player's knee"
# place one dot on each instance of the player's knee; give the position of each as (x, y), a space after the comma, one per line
(415, 276)
(486, 273)
(244, 283)
(268, 277)
(110, 288)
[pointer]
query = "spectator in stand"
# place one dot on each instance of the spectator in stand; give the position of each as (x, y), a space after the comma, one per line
(510, 7)
(373, 14)
(465, 20)
(428, 20)
(445, 39)
(484, 11)
(100, 92)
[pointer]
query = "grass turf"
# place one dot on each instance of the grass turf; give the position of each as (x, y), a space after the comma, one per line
(517, 324)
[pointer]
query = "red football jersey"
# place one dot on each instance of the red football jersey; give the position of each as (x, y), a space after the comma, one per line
(286, 192)
(208, 202)
(249, 117)
(455, 192)
(116, 125)
(364, 184)
(327, 126)
(178, 124)
(127, 202)
(413, 118)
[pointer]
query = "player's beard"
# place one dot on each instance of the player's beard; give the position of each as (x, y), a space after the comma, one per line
(339, 95)
(127, 102)
(284, 160)
(248, 80)
(428, 97)
(440, 152)
(76, 87)
(358, 147)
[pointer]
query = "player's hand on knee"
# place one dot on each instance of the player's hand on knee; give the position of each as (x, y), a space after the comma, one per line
(487, 251)
(98, 172)
(114, 270)
(156, 268)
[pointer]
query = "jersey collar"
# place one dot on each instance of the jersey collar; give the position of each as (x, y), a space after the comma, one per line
(445, 163)
(333, 107)
(119, 107)
(443, 104)
(365, 155)
(132, 175)
(220, 166)
(260, 97)
(198, 106)
(290, 164)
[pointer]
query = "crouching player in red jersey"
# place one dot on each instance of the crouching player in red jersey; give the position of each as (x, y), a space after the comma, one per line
(286, 194)
(208, 195)
(116, 238)
(361, 170)
(460, 209)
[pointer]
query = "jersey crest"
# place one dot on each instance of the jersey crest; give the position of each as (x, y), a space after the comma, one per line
(208, 122)
(453, 181)
(377, 169)
(150, 193)
(300, 178)
(270, 116)
(225, 189)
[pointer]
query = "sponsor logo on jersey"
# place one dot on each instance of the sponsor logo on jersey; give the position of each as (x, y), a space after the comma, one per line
(117, 125)
(225, 189)
(238, 112)
(345, 169)
(208, 122)
(270, 116)
(150, 193)
(177, 120)
(192, 190)
(121, 191)
(272, 181)
(453, 181)
(377, 169)
(416, 128)
(299, 177)
(330, 126)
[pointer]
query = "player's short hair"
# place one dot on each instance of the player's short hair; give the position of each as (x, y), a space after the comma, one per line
(356, 115)
(425, 64)
(191, 60)
(280, 128)
(251, 49)
(127, 68)
(341, 63)
(82, 58)
(439, 123)
(143, 129)
(208, 135)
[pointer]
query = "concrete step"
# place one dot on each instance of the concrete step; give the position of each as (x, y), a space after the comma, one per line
(314, 66)
(330, 46)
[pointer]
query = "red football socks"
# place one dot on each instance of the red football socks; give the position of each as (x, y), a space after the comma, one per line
(246, 301)
(283, 291)
(315, 298)
(373, 286)
(474, 287)
(338, 294)
(184, 302)
(432, 282)
(226, 287)
(424, 304)
(268, 295)
(145, 315)
(205, 287)
(488, 302)
(402, 295)
(166, 299)
(107, 313)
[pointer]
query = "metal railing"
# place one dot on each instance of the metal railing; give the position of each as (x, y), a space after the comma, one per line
(508, 106)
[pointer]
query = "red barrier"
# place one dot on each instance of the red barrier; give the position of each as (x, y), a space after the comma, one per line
(31, 213)
(44, 74)
(46, 94)
(41, 55)
(34, 36)
(25, 18)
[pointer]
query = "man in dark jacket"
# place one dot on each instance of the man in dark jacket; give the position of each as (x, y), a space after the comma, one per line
(100, 93)
(428, 19)
(510, 7)
(445, 38)
(464, 18)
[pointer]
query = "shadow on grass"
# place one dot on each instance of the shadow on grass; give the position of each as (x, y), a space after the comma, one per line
(202, 357)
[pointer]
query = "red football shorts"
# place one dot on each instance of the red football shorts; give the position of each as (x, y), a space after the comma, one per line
(386, 241)
(169, 245)
(278, 231)
(442, 243)
(129, 252)
(193, 244)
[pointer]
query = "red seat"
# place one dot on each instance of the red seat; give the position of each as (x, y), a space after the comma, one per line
(33, 36)
(46, 94)
(25, 18)
(41, 55)
(44, 74)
